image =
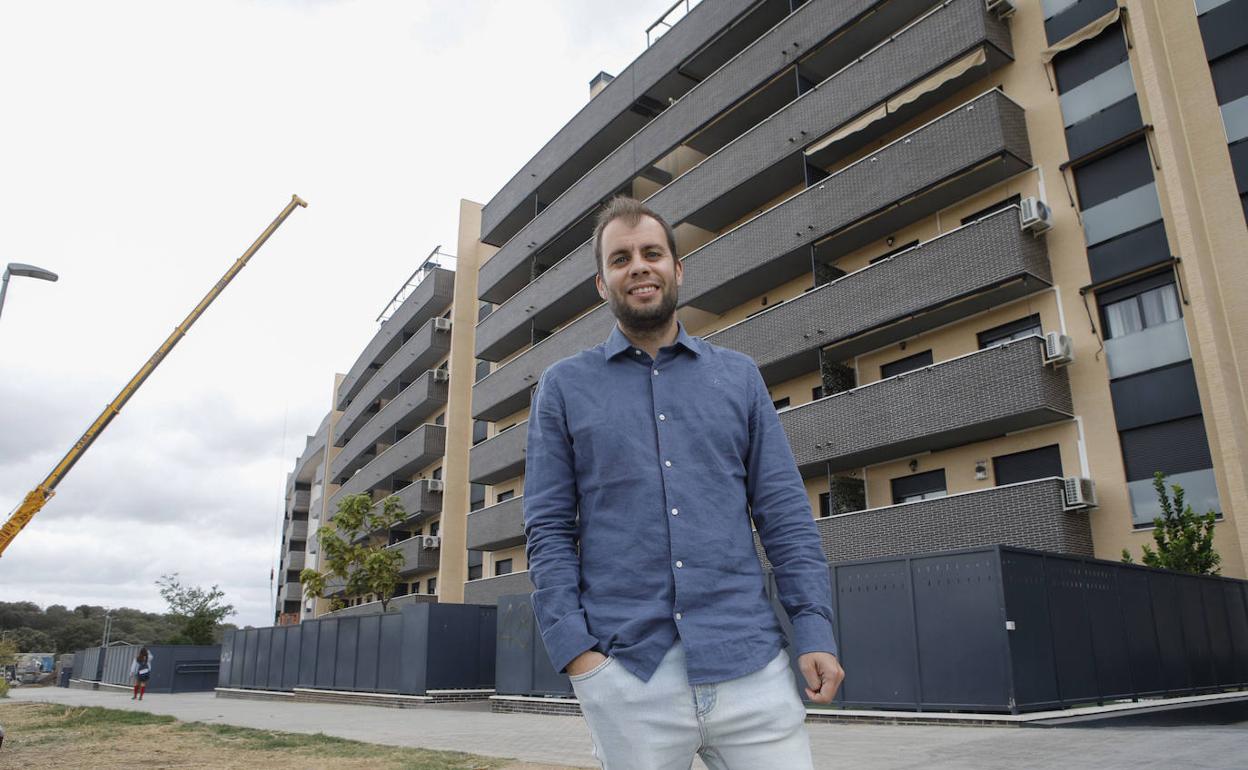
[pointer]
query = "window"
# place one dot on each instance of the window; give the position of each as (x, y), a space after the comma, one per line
(502, 567)
(816, 393)
(431, 587)
(437, 473)
(1014, 330)
(483, 369)
(825, 504)
(909, 363)
(480, 431)
(440, 419)
(920, 486)
(474, 565)
(1143, 325)
(1153, 307)
(781, 403)
(1025, 466)
(435, 527)
(1013, 200)
(476, 497)
(505, 495)
(483, 310)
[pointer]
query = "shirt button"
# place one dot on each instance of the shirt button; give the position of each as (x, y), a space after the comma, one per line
(668, 463)
(662, 417)
(636, 352)
(678, 616)
(675, 511)
(679, 564)
(655, 372)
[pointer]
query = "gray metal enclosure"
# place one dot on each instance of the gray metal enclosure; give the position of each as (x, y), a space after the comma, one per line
(993, 629)
(175, 667)
(422, 647)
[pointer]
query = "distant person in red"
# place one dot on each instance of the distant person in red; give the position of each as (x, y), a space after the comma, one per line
(141, 671)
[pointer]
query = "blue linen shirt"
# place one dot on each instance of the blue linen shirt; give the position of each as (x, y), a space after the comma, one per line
(655, 469)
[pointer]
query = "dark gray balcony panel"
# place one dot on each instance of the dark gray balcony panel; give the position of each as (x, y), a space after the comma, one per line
(296, 530)
(499, 458)
(428, 300)
(418, 501)
(607, 119)
(295, 559)
(723, 182)
(489, 590)
(290, 592)
(497, 527)
(313, 454)
(976, 397)
(406, 412)
(298, 501)
(422, 351)
(960, 273)
(797, 35)
(1029, 514)
(411, 453)
(416, 558)
(506, 390)
(964, 151)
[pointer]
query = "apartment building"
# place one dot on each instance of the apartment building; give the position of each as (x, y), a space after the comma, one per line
(305, 487)
(985, 254)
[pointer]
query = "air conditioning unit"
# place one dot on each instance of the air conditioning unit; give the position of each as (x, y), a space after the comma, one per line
(1058, 349)
(430, 542)
(1034, 215)
(1004, 9)
(435, 485)
(441, 324)
(441, 375)
(1079, 492)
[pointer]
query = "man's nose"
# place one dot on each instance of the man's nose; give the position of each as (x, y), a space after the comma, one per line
(638, 266)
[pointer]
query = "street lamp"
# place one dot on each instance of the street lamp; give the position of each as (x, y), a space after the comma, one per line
(26, 271)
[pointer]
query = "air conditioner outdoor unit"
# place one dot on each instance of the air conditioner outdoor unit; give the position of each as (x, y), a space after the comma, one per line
(430, 542)
(1004, 9)
(1034, 215)
(1079, 492)
(435, 485)
(1058, 349)
(441, 375)
(441, 324)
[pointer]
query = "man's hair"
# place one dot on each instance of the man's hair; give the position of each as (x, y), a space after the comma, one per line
(631, 211)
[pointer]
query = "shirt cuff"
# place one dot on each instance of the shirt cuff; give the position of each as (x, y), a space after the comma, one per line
(813, 633)
(567, 639)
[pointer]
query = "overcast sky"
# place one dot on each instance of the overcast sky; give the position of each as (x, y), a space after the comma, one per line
(144, 146)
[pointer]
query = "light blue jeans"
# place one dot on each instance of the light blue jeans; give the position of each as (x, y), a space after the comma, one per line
(755, 722)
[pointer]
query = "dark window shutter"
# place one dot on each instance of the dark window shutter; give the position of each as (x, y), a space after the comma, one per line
(1024, 466)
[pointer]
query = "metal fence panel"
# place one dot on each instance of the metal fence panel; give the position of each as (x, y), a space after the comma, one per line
(346, 652)
(1237, 620)
(1142, 647)
(1219, 631)
(251, 652)
(877, 611)
(277, 650)
(291, 657)
(390, 652)
(416, 629)
(522, 666)
(1103, 606)
(368, 647)
(1076, 668)
(1033, 665)
(1168, 623)
(1196, 632)
(327, 654)
(310, 635)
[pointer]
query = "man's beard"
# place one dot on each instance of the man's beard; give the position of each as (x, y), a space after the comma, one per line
(644, 319)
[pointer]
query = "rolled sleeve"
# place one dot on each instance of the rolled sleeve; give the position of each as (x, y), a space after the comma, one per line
(551, 528)
(786, 528)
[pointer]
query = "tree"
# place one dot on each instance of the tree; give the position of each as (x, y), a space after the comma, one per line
(28, 639)
(1184, 538)
(197, 611)
(354, 550)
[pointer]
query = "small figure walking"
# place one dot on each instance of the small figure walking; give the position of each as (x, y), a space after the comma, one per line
(141, 671)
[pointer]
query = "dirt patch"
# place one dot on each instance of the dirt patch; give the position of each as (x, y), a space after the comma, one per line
(47, 736)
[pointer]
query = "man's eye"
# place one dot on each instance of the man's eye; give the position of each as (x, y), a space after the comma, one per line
(621, 259)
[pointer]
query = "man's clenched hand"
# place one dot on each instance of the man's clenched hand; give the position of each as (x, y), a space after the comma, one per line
(823, 675)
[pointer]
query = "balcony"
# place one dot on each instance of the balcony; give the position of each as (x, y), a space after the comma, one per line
(405, 412)
(768, 159)
(972, 398)
(428, 300)
(1029, 514)
(313, 454)
(300, 501)
(294, 560)
(615, 114)
(488, 590)
(418, 501)
(407, 456)
(418, 354)
(416, 558)
(499, 458)
(966, 150)
(497, 527)
(290, 592)
(296, 530)
(962, 272)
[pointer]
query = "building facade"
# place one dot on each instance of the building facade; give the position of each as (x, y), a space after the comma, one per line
(986, 254)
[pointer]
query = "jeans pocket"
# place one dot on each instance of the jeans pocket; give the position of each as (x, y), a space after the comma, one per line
(576, 678)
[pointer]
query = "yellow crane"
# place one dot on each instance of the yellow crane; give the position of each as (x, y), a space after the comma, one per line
(39, 496)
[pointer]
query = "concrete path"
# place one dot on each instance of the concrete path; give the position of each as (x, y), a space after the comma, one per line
(1211, 737)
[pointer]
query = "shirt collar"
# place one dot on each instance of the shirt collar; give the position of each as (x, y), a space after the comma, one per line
(617, 343)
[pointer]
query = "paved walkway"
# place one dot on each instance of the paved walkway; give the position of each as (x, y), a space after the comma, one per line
(1212, 737)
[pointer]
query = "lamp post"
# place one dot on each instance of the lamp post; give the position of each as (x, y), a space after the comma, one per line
(26, 271)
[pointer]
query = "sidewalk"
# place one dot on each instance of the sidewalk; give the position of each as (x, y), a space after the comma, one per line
(1194, 741)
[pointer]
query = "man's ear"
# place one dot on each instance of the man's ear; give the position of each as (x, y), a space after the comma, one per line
(602, 287)
(680, 272)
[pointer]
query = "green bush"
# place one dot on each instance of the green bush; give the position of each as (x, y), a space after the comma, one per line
(4, 688)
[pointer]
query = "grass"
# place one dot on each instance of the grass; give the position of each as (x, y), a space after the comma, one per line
(44, 735)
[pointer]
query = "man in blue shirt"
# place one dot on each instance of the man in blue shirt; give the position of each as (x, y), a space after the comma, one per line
(649, 457)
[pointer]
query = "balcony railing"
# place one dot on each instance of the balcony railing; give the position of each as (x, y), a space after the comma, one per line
(416, 558)
(411, 453)
(720, 181)
(426, 301)
(497, 527)
(488, 590)
(299, 501)
(963, 272)
(406, 412)
(296, 530)
(971, 398)
(499, 458)
(418, 501)
(425, 348)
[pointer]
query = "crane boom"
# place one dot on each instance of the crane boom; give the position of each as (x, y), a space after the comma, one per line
(39, 496)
